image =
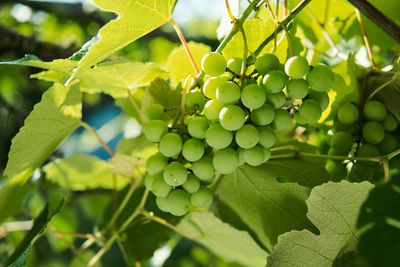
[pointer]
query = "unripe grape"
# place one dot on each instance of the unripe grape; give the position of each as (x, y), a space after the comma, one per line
(263, 115)
(162, 204)
(373, 132)
(267, 154)
(170, 144)
(390, 123)
(175, 174)
(321, 97)
(274, 81)
(148, 181)
(361, 171)
(159, 187)
(240, 157)
(203, 169)
(235, 65)
(193, 149)
(195, 100)
(254, 156)
(178, 202)
(213, 63)
(197, 127)
(156, 163)
(212, 110)
(253, 96)
(266, 63)
(338, 171)
(297, 88)
(368, 150)
(310, 110)
(299, 119)
(277, 100)
(320, 78)
(232, 117)
(192, 184)
(388, 144)
(282, 120)
(342, 142)
(218, 137)
(154, 111)
(296, 67)
(226, 160)
(374, 110)
(211, 85)
(228, 93)
(202, 198)
(347, 113)
(154, 130)
(247, 136)
(267, 137)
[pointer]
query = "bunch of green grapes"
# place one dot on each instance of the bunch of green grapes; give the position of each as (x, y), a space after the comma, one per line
(361, 132)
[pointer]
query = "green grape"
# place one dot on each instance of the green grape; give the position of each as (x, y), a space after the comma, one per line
(320, 78)
(211, 85)
(374, 111)
(235, 65)
(193, 149)
(267, 154)
(274, 81)
(253, 96)
(217, 137)
(195, 100)
(232, 117)
(154, 112)
(175, 174)
(202, 198)
(310, 110)
(338, 171)
(321, 97)
(240, 156)
(178, 202)
(277, 100)
(226, 160)
(266, 63)
(347, 113)
(197, 127)
(162, 203)
(154, 130)
(296, 67)
(159, 187)
(342, 142)
(156, 163)
(297, 88)
(212, 110)
(368, 150)
(390, 123)
(228, 93)
(373, 132)
(247, 136)
(254, 156)
(148, 181)
(267, 137)
(213, 63)
(282, 120)
(203, 169)
(388, 144)
(299, 119)
(192, 184)
(263, 115)
(361, 171)
(170, 145)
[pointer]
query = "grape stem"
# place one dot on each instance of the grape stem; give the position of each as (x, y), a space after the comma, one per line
(104, 144)
(135, 106)
(228, 9)
(366, 41)
(244, 59)
(394, 79)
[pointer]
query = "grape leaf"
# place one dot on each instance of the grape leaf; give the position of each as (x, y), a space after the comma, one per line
(135, 19)
(82, 172)
(222, 239)
(179, 65)
(52, 120)
(333, 208)
(59, 65)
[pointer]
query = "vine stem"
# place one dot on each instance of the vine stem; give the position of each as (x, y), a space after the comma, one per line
(366, 41)
(244, 59)
(385, 163)
(104, 144)
(228, 9)
(394, 79)
(286, 7)
(185, 45)
(135, 106)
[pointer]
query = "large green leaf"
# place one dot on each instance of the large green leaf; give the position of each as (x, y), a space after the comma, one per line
(223, 240)
(333, 208)
(82, 172)
(52, 120)
(135, 19)
(59, 65)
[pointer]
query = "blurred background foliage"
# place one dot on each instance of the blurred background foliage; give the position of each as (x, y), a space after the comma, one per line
(58, 28)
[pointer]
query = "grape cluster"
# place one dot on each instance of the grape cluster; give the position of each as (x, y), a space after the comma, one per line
(365, 132)
(232, 120)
